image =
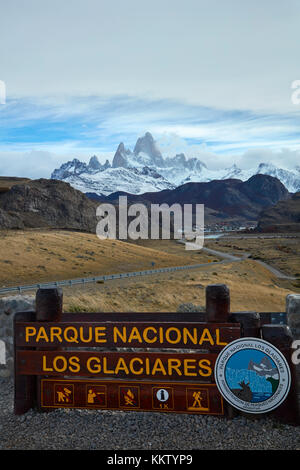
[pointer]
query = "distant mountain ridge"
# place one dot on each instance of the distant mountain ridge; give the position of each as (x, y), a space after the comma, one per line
(223, 199)
(284, 216)
(145, 170)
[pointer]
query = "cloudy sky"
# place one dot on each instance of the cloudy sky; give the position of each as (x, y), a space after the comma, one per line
(212, 78)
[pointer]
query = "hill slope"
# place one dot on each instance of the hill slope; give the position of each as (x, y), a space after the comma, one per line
(283, 216)
(229, 198)
(33, 256)
(46, 203)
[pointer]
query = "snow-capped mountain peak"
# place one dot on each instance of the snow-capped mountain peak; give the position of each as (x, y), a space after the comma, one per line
(94, 163)
(146, 148)
(120, 157)
(291, 179)
(147, 170)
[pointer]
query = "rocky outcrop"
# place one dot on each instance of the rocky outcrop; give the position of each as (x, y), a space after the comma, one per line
(120, 157)
(147, 145)
(284, 216)
(9, 306)
(76, 168)
(293, 313)
(47, 204)
(227, 198)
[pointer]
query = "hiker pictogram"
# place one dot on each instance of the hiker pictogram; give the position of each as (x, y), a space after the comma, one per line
(197, 400)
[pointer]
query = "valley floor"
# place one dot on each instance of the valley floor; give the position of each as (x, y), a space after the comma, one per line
(252, 288)
(39, 255)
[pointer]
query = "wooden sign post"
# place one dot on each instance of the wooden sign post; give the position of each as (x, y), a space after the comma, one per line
(124, 361)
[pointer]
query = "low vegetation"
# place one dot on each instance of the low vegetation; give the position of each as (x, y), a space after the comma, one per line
(34, 256)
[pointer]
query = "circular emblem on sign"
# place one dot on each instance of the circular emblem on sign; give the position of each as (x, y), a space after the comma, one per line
(252, 375)
(162, 395)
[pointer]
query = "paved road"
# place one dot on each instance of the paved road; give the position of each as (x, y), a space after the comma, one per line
(243, 256)
(275, 271)
(226, 256)
(106, 277)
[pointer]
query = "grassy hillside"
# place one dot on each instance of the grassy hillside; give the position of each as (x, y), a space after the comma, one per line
(282, 253)
(6, 182)
(252, 288)
(34, 256)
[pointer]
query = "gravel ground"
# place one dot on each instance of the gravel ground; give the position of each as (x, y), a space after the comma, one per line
(116, 430)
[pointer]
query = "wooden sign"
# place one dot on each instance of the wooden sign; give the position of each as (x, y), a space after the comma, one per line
(127, 334)
(169, 397)
(170, 366)
(133, 361)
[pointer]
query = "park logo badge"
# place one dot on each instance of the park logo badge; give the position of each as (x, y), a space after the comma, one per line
(252, 375)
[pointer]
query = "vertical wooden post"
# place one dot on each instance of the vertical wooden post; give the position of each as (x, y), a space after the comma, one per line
(49, 304)
(24, 385)
(281, 337)
(218, 311)
(249, 321)
(217, 303)
(250, 327)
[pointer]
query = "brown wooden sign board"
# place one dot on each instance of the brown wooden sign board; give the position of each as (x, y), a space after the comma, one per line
(126, 334)
(168, 397)
(158, 365)
(170, 366)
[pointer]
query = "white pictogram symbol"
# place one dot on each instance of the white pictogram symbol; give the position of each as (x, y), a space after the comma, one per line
(162, 394)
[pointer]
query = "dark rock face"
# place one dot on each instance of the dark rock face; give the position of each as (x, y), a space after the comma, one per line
(55, 204)
(94, 163)
(75, 168)
(120, 158)
(47, 203)
(264, 190)
(231, 197)
(146, 144)
(283, 216)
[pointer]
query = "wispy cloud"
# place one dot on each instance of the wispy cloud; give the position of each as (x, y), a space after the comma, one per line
(63, 127)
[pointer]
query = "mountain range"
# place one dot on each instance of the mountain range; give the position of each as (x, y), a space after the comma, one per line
(145, 169)
(224, 200)
(56, 204)
(284, 216)
(264, 368)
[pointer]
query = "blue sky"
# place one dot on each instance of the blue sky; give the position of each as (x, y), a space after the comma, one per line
(210, 79)
(64, 128)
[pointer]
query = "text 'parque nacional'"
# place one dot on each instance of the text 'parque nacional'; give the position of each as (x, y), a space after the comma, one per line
(125, 334)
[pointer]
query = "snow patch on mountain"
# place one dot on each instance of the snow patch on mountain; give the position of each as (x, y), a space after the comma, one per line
(145, 169)
(132, 181)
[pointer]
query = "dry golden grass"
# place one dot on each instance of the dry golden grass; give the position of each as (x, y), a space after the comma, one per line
(34, 256)
(45, 255)
(252, 287)
(7, 182)
(283, 252)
